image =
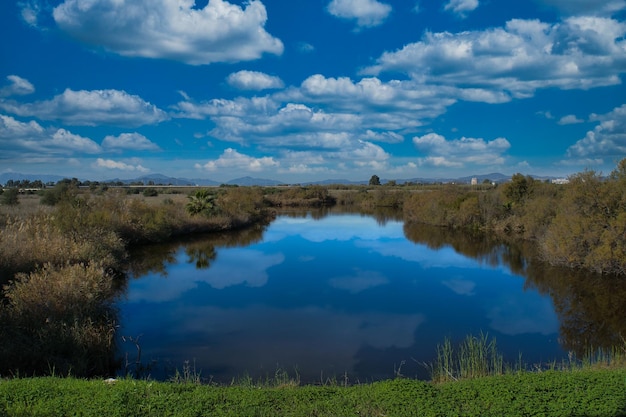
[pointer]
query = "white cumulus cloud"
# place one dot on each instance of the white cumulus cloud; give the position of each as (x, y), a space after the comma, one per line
(570, 119)
(438, 151)
(517, 59)
(130, 141)
(122, 166)
(461, 7)
(90, 108)
(67, 140)
(384, 105)
(31, 137)
(171, 29)
(18, 86)
(367, 13)
(254, 80)
(606, 141)
(230, 158)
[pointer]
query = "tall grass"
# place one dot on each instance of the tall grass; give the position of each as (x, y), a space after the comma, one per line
(475, 357)
(58, 320)
(612, 357)
(478, 356)
(58, 268)
(32, 241)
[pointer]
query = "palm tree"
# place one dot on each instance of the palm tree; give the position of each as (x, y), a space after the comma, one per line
(201, 202)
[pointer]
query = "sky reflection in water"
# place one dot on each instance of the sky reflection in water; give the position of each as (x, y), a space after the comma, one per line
(339, 295)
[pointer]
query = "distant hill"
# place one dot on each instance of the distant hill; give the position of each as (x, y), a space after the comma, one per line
(249, 181)
(493, 177)
(159, 179)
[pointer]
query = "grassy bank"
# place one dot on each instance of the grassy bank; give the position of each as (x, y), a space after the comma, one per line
(576, 393)
(62, 257)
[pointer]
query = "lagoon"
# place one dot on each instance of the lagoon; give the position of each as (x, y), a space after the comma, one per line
(337, 296)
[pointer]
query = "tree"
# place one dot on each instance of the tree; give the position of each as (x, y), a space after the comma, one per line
(589, 229)
(519, 188)
(375, 180)
(619, 173)
(201, 202)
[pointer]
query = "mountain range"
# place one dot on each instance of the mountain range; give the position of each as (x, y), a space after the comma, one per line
(159, 179)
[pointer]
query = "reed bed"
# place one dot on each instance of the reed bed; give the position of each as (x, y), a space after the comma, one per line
(475, 357)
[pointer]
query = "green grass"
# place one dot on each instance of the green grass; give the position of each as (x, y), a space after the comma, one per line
(589, 392)
(475, 357)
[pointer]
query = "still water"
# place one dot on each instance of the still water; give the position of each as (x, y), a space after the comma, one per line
(334, 296)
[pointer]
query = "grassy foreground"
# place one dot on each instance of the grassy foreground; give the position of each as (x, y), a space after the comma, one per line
(589, 392)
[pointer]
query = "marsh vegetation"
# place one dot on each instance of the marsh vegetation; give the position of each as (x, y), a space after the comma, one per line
(64, 251)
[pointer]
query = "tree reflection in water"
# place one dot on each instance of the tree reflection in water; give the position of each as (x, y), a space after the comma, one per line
(199, 249)
(590, 307)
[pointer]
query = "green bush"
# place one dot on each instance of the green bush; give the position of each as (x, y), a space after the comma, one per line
(10, 197)
(150, 192)
(62, 191)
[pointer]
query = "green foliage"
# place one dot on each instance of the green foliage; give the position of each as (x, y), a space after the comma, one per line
(374, 180)
(581, 224)
(589, 229)
(240, 202)
(450, 206)
(150, 192)
(475, 357)
(10, 197)
(519, 188)
(62, 191)
(310, 196)
(589, 393)
(201, 202)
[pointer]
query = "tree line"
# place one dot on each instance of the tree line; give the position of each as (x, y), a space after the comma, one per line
(581, 224)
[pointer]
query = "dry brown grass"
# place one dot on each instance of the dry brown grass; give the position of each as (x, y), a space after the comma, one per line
(37, 239)
(58, 265)
(58, 320)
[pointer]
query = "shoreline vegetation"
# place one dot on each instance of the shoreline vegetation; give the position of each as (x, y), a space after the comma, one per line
(598, 393)
(64, 253)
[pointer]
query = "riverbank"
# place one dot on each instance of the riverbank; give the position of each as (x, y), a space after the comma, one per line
(588, 392)
(62, 259)
(62, 266)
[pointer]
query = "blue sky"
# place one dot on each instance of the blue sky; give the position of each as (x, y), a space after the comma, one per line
(307, 90)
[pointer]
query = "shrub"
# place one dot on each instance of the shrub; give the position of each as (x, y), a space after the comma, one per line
(10, 197)
(150, 192)
(61, 191)
(59, 320)
(311, 196)
(44, 238)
